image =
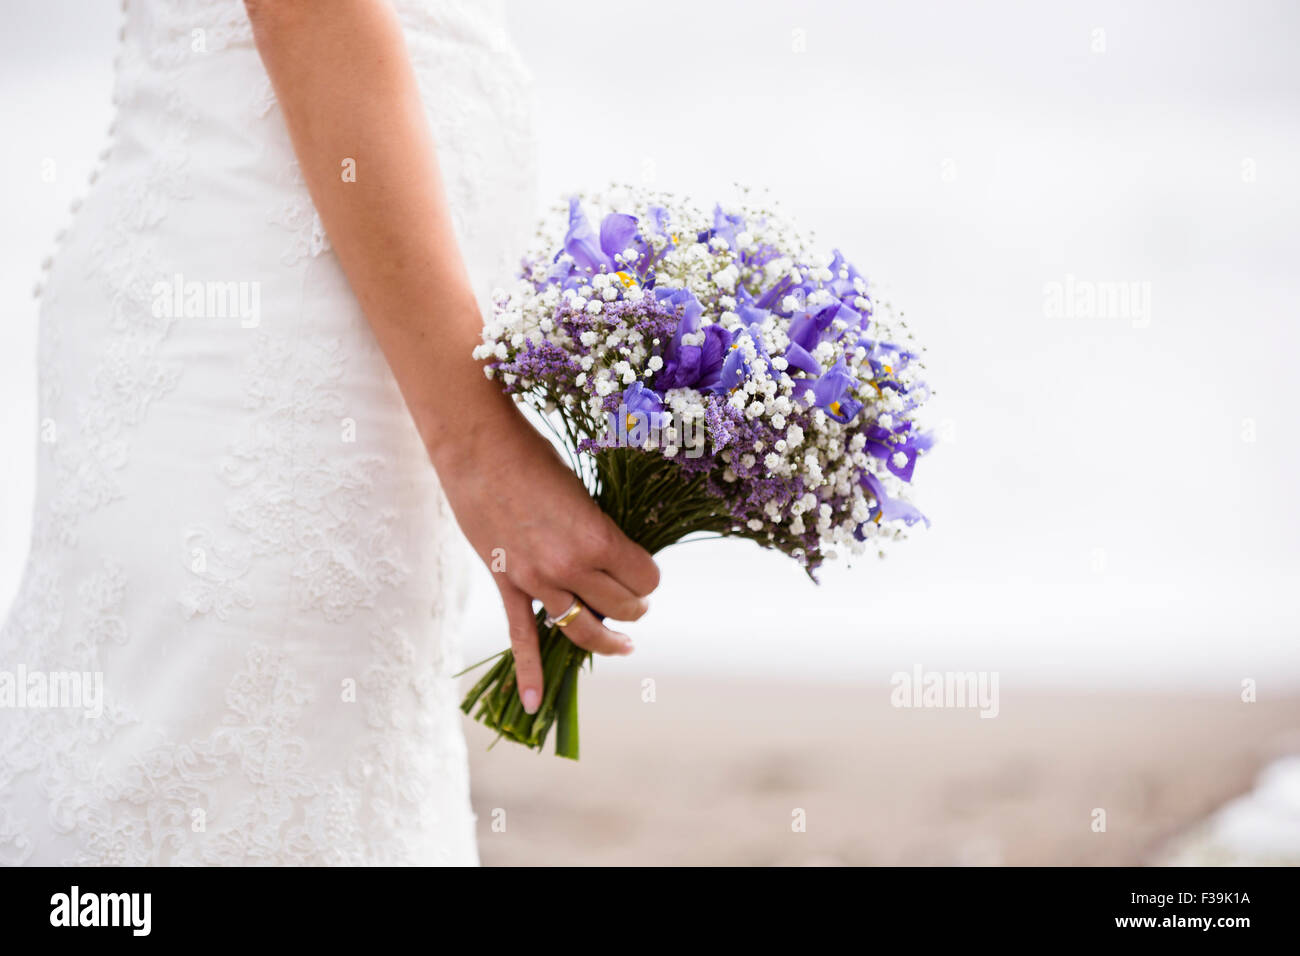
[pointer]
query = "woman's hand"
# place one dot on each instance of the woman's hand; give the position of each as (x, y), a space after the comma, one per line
(533, 523)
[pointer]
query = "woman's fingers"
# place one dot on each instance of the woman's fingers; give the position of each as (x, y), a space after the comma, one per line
(523, 641)
(610, 597)
(586, 630)
(631, 565)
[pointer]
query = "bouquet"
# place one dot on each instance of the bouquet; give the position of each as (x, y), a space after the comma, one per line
(706, 373)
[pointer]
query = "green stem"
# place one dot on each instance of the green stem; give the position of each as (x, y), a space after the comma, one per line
(566, 722)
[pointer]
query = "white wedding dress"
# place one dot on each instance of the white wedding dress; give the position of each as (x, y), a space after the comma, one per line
(236, 523)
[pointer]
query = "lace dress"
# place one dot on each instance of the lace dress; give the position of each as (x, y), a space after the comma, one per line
(237, 529)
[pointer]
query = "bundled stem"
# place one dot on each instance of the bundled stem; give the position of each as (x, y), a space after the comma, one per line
(655, 505)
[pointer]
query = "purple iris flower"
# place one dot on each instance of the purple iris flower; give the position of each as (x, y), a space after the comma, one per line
(911, 446)
(883, 444)
(560, 273)
(727, 226)
(734, 371)
(921, 441)
(878, 442)
(797, 356)
(639, 400)
(878, 449)
(833, 393)
(696, 366)
(842, 288)
(735, 368)
(689, 324)
(807, 327)
(580, 242)
(712, 353)
(877, 347)
(749, 313)
(891, 509)
(685, 298)
(773, 296)
(659, 221)
(903, 471)
(617, 232)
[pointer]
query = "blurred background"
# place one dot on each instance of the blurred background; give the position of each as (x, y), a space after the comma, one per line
(1114, 528)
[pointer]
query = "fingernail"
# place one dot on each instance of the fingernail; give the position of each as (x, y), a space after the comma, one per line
(531, 700)
(628, 646)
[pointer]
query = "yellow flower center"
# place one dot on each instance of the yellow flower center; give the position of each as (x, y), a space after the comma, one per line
(835, 408)
(626, 279)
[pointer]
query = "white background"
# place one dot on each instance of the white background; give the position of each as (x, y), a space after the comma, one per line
(1099, 518)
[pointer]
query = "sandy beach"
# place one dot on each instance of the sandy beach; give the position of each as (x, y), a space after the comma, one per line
(711, 774)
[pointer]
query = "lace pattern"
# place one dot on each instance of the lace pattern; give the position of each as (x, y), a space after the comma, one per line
(292, 498)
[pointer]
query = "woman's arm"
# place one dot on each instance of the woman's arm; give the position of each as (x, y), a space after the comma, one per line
(347, 90)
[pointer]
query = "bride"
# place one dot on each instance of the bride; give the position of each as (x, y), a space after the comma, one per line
(260, 426)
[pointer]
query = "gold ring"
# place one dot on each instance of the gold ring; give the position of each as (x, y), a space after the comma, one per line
(567, 618)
